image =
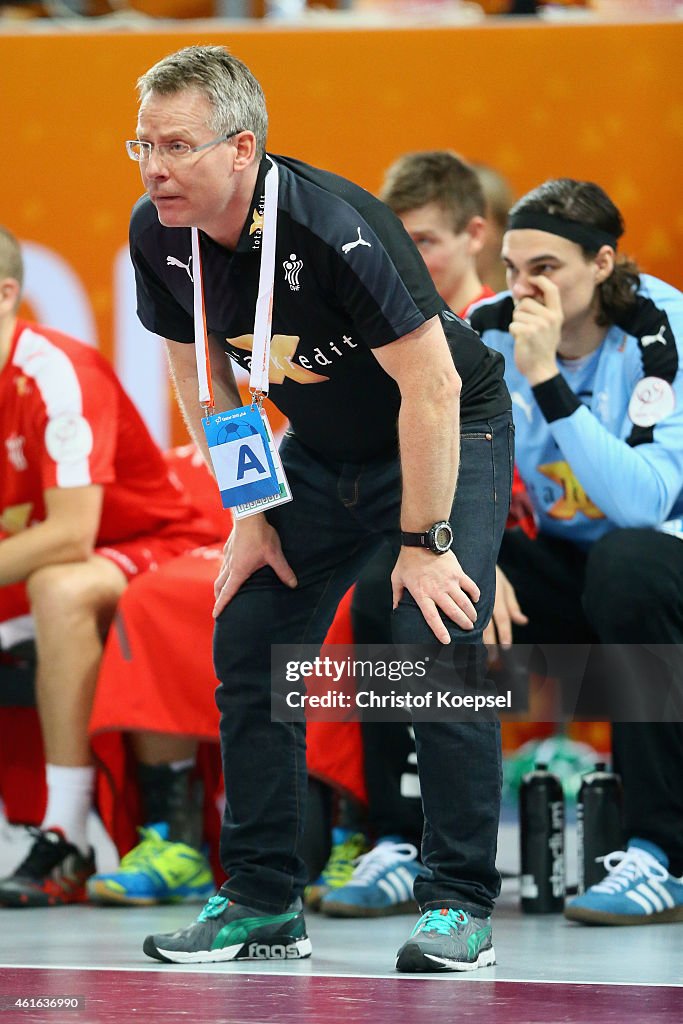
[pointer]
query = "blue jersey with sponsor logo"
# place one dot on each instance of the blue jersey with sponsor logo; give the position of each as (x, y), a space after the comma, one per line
(601, 446)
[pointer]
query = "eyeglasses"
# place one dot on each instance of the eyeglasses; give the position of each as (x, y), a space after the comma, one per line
(170, 152)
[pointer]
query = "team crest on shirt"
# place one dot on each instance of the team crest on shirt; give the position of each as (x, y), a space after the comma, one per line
(68, 438)
(293, 268)
(652, 400)
(15, 452)
(22, 385)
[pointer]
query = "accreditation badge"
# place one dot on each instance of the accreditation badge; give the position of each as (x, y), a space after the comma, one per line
(241, 456)
(284, 492)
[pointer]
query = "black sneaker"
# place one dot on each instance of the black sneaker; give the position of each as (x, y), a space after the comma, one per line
(447, 940)
(228, 931)
(53, 873)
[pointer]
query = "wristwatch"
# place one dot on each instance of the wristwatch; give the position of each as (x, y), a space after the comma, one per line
(438, 538)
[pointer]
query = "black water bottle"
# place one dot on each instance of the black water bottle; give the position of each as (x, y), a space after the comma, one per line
(541, 823)
(598, 823)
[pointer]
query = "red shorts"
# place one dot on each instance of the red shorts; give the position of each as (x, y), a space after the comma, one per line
(141, 554)
(132, 557)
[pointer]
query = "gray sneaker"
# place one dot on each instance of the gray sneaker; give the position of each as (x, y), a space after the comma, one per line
(447, 940)
(228, 931)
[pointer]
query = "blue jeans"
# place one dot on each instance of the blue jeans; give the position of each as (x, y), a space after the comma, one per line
(340, 514)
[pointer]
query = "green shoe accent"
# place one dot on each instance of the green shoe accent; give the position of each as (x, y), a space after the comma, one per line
(347, 847)
(239, 931)
(155, 871)
(477, 939)
(229, 931)
(342, 860)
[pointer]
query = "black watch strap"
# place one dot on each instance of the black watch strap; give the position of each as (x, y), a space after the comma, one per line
(415, 540)
(438, 538)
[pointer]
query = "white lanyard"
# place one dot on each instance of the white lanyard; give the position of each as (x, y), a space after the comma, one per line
(263, 317)
(201, 341)
(260, 357)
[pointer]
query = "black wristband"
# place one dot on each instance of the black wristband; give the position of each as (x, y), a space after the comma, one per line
(555, 398)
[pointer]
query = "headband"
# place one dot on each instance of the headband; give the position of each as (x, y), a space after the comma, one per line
(583, 234)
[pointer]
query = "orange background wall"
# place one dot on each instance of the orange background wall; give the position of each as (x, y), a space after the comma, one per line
(599, 101)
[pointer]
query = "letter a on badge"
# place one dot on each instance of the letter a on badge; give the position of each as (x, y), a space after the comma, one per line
(246, 460)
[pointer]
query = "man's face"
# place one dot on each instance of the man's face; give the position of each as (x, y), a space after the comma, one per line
(194, 190)
(529, 253)
(447, 253)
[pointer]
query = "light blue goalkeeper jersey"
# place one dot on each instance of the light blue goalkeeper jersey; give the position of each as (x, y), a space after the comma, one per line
(601, 445)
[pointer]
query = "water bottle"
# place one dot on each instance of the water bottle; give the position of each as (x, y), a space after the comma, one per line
(598, 823)
(541, 821)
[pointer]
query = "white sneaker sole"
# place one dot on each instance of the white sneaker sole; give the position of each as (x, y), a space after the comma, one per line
(298, 950)
(418, 962)
(485, 959)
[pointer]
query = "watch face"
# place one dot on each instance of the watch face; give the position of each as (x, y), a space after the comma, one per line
(443, 536)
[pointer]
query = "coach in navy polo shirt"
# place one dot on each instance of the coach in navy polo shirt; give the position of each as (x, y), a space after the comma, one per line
(391, 400)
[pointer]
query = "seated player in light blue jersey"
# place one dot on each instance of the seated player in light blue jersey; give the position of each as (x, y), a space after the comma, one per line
(593, 364)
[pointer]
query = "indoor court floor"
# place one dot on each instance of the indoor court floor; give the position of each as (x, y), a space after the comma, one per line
(549, 971)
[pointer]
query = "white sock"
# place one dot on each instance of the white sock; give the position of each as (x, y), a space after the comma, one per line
(69, 799)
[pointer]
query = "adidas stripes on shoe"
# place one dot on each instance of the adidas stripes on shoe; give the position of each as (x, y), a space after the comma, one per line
(638, 889)
(381, 884)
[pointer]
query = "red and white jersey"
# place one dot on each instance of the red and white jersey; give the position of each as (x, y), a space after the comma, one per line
(485, 293)
(65, 421)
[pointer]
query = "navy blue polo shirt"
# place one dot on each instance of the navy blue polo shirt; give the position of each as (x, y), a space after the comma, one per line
(348, 279)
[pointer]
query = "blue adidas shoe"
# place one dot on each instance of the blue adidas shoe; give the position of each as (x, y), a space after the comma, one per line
(155, 871)
(638, 889)
(381, 884)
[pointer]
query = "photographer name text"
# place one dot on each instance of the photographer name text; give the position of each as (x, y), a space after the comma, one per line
(365, 699)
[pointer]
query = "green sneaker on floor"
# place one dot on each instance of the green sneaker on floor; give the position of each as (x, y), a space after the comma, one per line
(229, 931)
(447, 940)
(347, 847)
(155, 871)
